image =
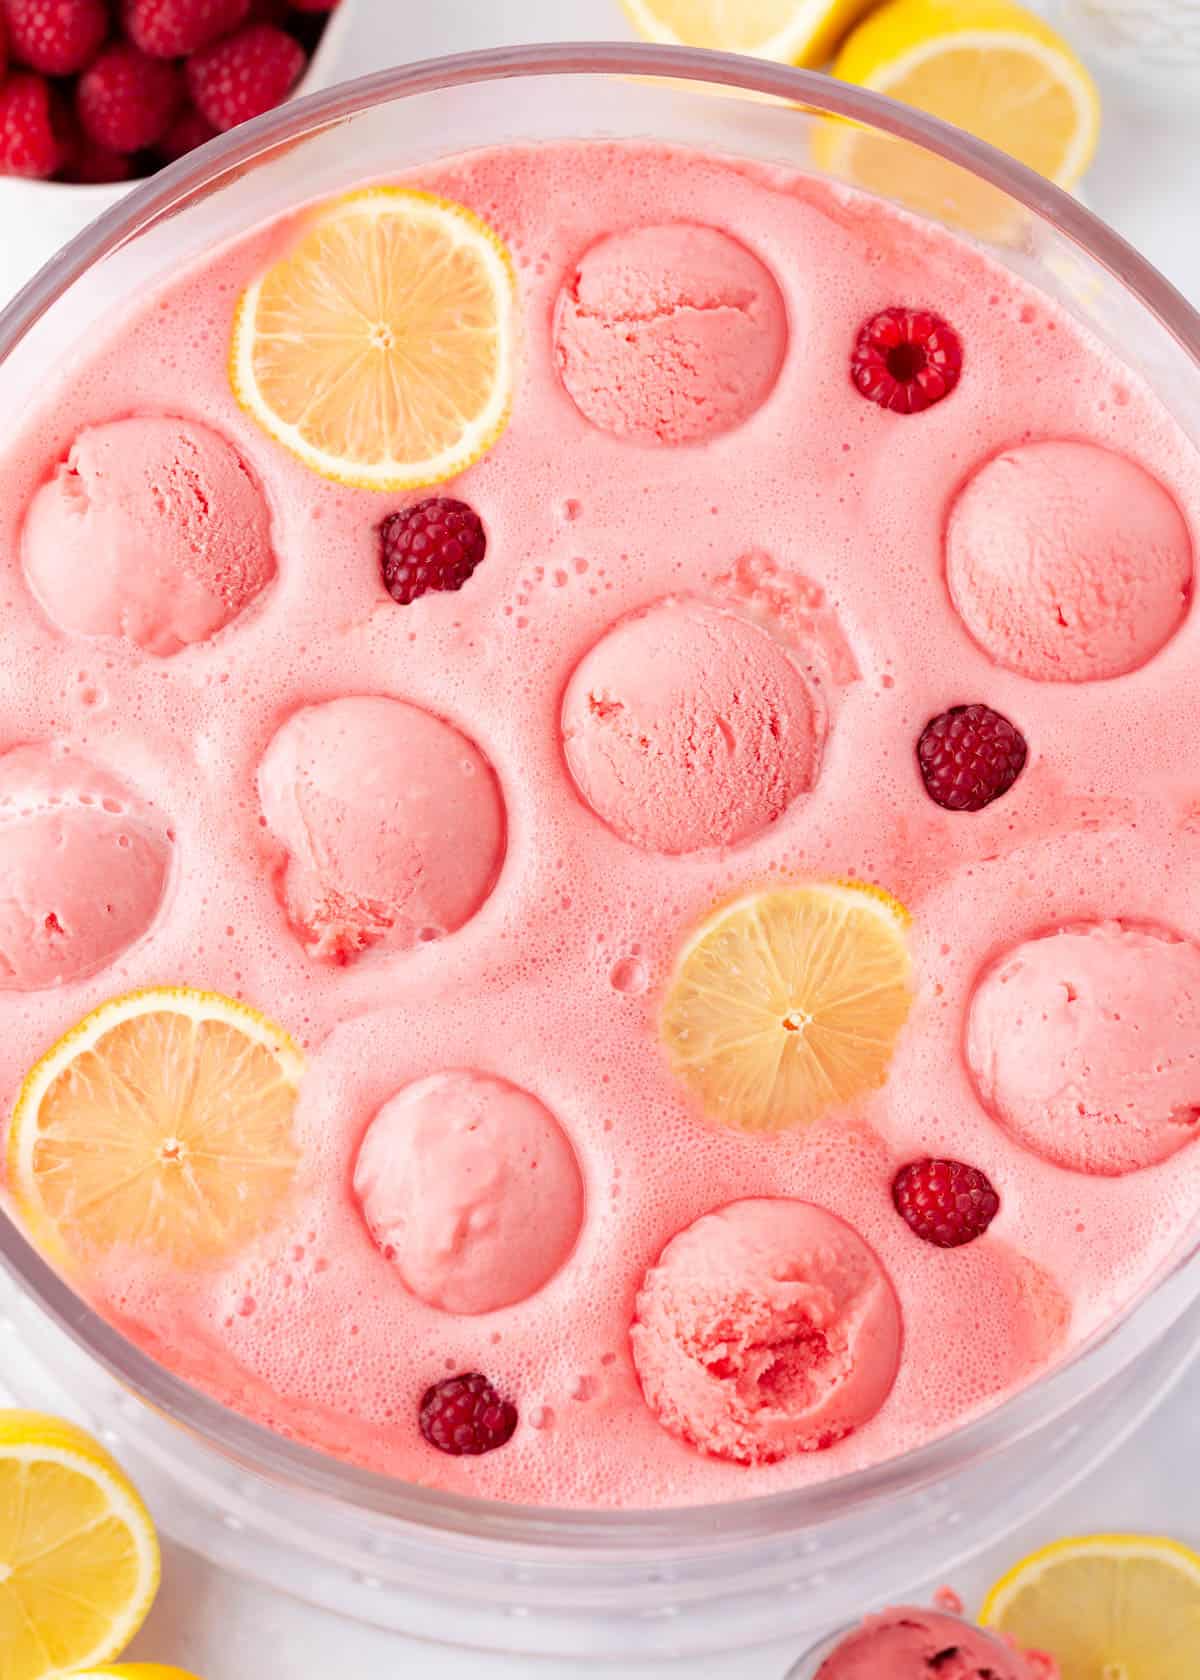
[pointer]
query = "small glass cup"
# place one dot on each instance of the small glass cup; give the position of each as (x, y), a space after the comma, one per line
(808, 1666)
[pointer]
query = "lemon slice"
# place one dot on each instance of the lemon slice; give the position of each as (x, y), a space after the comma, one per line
(788, 1003)
(987, 66)
(161, 1123)
(788, 31)
(380, 349)
(79, 1561)
(135, 1671)
(1125, 1606)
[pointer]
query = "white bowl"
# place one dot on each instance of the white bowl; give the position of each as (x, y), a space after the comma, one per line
(38, 217)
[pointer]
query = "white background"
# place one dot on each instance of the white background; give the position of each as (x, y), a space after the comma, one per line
(1147, 183)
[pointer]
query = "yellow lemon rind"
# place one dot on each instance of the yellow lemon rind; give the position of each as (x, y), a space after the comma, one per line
(1105, 1546)
(808, 40)
(185, 1000)
(902, 36)
(34, 1438)
(389, 476)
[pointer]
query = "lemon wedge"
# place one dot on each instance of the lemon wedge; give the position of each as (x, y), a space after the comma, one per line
(380, 348)
(161, 1123)
(1119, 1605)
(988, 66)
(79, 1560)
(788, 31)
(789, 1003)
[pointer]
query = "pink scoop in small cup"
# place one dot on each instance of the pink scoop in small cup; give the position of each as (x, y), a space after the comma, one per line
(909, 1643)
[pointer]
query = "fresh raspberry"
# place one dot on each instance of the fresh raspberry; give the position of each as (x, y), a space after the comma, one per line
(93, 166)
(906, 360)
(436, 544)
(245, 75)
(314, 5)
(174, 28)
(307, 27)
(33, 139)
(969, 756)
(3, 46)
(126, 99)
(189, 130)
(944, 1202)
(267, 11)
(57, 37)
(464, 1415)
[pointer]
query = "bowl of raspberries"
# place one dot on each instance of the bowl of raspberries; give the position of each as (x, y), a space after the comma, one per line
(97, 94)
(101, 92)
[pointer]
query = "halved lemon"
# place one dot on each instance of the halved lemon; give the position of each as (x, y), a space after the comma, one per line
(789, 1003)
(1106, 1607)
(161, 1123)
(380, 349)
(988, 66)
(79, 1561)
(788, 31)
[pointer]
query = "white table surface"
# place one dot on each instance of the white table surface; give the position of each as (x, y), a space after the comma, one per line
(1147, 183)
